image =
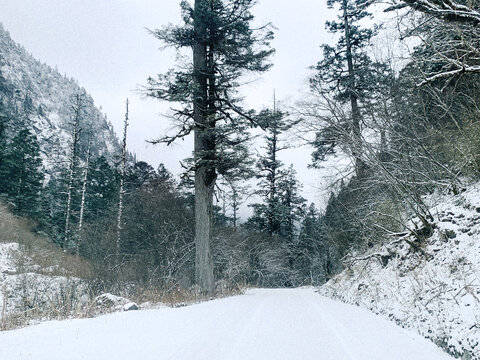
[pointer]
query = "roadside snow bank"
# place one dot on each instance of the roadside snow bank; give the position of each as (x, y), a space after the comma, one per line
(435, 292)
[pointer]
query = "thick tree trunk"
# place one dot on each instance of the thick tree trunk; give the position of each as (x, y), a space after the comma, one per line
(203, 231)
(204, 153)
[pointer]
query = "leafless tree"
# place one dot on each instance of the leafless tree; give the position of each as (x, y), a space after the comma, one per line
(464, 12)
(450, 35)
(121, 191)
(77, 109)
(84, 193)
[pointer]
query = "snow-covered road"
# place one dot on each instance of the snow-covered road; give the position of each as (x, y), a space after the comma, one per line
(262, 324)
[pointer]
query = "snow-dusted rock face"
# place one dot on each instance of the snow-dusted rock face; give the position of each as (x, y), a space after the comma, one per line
(435, 291)
(108, 302)
(131, 306)
(33, 94)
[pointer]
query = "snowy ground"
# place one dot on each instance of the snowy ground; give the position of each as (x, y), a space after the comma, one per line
(30, 292)
(436, 293)
(262, 324)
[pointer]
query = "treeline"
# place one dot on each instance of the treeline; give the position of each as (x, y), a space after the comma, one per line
(77, 206)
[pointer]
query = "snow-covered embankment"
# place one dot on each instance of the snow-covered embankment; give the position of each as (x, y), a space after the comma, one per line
(434, 291)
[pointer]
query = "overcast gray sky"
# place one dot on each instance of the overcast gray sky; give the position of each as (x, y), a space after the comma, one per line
(104, 45)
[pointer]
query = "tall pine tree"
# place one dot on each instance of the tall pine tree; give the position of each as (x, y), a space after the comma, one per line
(292, 204)
(224, 47)
(267, 215)
(346, 76)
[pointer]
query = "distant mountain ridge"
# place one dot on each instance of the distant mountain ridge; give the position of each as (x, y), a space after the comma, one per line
(36, 96)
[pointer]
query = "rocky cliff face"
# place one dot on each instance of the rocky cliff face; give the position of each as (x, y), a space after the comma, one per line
(34, 95)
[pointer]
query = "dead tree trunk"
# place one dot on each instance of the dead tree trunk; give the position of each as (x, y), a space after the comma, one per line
(235, 206)
(77, 109)
(84, 193)
(273, 177)
(122, 181)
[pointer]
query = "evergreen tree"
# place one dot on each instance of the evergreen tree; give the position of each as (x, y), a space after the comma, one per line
(281, 214)
(165, 176)
(102, 188)
(234, 165)
(267, 216)
(311, 249)
(235, 195)
(342, 224)
(24, 171)
(310, 228)
(54, 203)
(224, 47)
(346, 75)
(291, 205)
(140, 174)
(83, 196)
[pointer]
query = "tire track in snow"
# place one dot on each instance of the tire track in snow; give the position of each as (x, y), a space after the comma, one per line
(343, 336)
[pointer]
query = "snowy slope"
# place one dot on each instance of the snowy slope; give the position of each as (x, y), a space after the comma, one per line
(38, 281)
(29, 291)
(37, 96)
(437, 293)
(262, 324)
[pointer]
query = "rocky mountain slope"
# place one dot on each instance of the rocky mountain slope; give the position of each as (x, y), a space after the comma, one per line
(431, 286)
(36, 96)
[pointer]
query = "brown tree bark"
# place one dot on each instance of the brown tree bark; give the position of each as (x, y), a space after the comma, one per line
(204, 152)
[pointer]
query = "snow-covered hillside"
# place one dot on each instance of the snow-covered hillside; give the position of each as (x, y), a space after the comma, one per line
(39, 97)
(30, 292)
(434, 290)
(260, 325)
(38, 281)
